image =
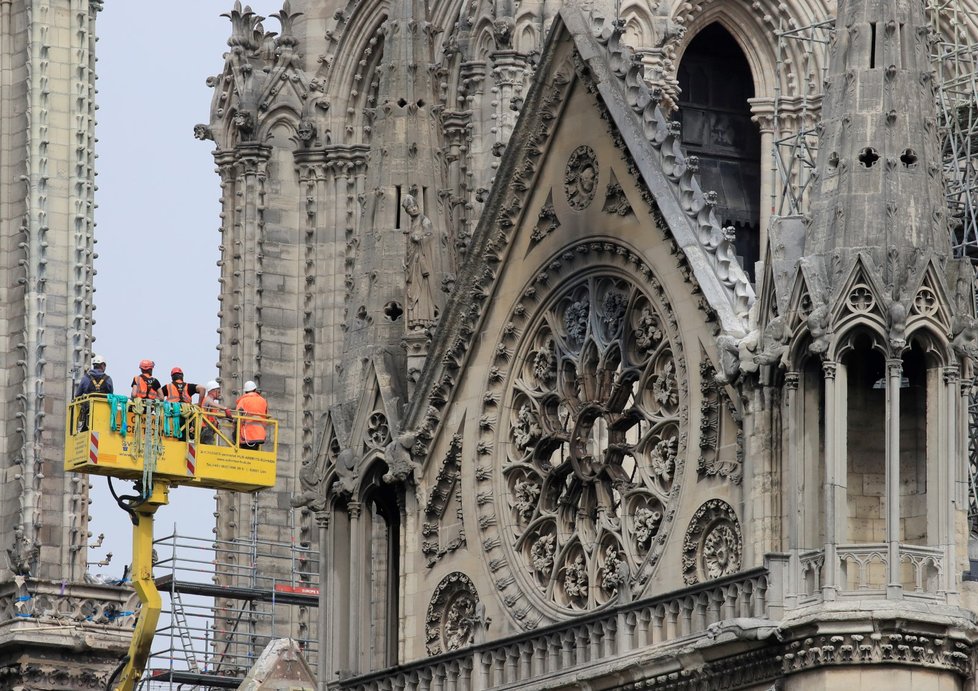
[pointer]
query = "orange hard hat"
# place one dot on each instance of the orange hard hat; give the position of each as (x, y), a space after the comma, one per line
(146, 364)
(176, 370)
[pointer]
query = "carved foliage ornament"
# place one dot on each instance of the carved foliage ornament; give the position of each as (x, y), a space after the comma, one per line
(456, 618)
(592, 440)
(581, 177)
(714, 543)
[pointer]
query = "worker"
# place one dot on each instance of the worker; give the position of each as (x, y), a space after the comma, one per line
(94, 382)
(254, 406)
(179, 391)
(145, 385)
(210, 403)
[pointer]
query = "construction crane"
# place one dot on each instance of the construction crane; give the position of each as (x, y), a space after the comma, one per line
(159, 445)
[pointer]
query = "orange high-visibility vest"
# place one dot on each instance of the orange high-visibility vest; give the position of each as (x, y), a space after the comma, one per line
(253, 405)
(177, 393)
(143, 388)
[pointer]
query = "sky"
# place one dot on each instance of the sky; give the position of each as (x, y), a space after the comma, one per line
(157, 221)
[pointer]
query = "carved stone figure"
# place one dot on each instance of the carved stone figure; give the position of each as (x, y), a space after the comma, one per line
(203, 132)
(817, 323)
(897, 317)
(773, 344)
(425, 264)
(965, 342)
(401, 466)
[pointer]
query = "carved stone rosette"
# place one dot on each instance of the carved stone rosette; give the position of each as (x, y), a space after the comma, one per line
(581, 177)
(714, 543)
(454, 615)
(591, 438)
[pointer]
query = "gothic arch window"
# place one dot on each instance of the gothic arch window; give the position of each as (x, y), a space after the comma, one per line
(716, 82)
(381, 540)
(865, 382)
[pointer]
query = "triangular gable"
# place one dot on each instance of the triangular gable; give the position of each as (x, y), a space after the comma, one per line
(929, 299)
(860, 294)
(683, 211)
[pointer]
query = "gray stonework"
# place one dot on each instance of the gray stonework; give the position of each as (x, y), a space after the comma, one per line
(56, 630)
(604, 455)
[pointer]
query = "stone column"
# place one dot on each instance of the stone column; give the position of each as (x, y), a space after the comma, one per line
(356, 597)
(792, 496)
(951, 380)
(762, 113)
(894, 375)
(325, 612)
(832, 490)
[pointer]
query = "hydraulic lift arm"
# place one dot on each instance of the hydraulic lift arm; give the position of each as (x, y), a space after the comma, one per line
(145, 586)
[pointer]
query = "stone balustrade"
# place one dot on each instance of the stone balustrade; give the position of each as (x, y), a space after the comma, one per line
(861, 571)
(603, 635)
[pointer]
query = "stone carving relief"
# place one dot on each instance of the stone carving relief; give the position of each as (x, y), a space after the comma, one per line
(581, 177)
(442, 530)
(456, 617)
(714, 543)
(377, 432)
(592, 445)
(547, 221)
(615, 201)
(717, 416)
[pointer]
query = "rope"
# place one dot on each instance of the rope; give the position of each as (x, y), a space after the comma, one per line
(118, 419)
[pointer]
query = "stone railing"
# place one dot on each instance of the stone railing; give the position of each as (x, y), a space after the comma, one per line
(591, 639)
(861, 571)
(52, 601)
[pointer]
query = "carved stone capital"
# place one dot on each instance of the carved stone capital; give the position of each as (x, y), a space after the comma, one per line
(791, 380)
(829, 369)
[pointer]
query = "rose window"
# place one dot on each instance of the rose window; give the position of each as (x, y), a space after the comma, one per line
(593, 448)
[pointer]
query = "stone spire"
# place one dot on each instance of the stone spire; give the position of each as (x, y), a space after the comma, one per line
(404, 256)
(880, 182)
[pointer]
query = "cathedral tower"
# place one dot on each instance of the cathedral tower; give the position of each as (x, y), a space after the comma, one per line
(875, 328)
(47, 188)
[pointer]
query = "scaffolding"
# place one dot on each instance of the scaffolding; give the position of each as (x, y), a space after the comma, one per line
(209, 632)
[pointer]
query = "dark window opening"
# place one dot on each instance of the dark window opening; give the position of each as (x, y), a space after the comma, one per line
(872, 45)
(397, 207)
(393, 310)
(909, 158)
(868, 157)
(715, 80)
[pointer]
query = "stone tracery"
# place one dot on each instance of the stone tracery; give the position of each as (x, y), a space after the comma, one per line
(592, 442)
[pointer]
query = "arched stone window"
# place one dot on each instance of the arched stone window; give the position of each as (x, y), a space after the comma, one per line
(715, 81)
(381, 572)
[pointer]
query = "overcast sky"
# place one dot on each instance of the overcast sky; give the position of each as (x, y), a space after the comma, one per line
(158, 205)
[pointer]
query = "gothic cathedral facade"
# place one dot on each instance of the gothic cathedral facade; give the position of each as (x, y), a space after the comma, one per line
(573, 397)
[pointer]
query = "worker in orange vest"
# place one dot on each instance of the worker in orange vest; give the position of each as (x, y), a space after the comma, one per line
(179, 391)
(210, 403)
(254, 405)
(146, 385)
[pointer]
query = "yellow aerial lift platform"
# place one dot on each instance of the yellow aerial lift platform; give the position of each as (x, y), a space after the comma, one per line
(159, 445)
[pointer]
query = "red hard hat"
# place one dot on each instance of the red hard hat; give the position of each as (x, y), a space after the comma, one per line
(146, 364)
(176, 370)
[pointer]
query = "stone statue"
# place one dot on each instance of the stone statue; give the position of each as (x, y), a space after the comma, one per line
(400, 464)
(898, 326)
(425, 265)
(965, 342)
(729, 368)
(480, 623)
(773, 348)
(818, 326)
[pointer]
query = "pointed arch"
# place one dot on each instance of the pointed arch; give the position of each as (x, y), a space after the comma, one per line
(638, 20)
(716, 86)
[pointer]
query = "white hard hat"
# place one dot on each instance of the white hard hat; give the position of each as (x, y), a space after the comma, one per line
(211, 385)
(97, 360)
(250, 386)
